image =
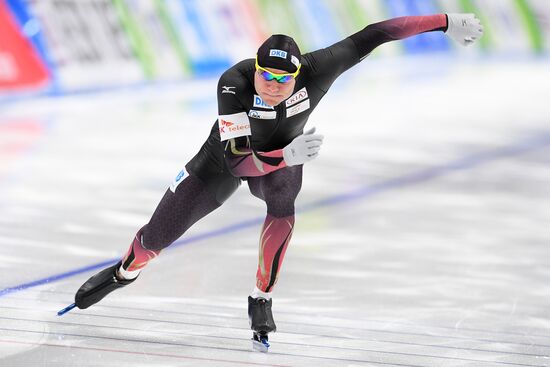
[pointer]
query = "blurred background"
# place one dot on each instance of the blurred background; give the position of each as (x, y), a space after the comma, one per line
(54, 47)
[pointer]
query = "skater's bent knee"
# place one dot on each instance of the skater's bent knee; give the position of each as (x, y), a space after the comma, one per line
(281, 211)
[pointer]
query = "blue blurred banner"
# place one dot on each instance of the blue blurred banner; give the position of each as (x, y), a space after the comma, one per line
(107, 43)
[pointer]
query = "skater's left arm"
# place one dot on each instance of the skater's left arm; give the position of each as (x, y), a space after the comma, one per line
(328, 63)
(376, 34)
(463, 28)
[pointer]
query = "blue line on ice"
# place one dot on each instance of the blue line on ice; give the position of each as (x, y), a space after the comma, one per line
(542, 140)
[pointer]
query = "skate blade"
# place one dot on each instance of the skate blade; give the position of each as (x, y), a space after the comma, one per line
(260, 342)
(66, 309)
(259, 346)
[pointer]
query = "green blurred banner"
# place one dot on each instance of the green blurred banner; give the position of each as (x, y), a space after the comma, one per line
(94, 44)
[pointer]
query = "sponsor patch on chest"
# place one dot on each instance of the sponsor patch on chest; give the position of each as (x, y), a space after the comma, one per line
(297, 97)
(259, 102)
(296, 109)
(234, 126)
(262, 115)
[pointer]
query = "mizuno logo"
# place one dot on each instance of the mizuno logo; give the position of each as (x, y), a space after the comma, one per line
(226, 89)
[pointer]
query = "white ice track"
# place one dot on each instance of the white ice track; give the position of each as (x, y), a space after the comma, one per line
(422, 237)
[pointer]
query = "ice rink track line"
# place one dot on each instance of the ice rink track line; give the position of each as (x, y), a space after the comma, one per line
(209, 347)
(385, 322)
(541, 140)
(278, 342)
(366, 330)
(180, 357)
(277, 353)
(332, 336)
(240, 363)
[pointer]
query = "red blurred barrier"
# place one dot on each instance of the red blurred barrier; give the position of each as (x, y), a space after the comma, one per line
(20, 66)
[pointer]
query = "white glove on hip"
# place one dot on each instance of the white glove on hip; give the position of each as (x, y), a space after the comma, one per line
(464, 28)
(303, 148)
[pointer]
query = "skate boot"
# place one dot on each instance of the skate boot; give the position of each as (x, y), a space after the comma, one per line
(261, 322)
(99, 286)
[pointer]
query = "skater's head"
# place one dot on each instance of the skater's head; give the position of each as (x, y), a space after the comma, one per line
(280, 52)
(277, 66)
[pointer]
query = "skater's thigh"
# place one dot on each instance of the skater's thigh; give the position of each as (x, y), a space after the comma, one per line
(278, 189)
(188, 199)
(286, 181)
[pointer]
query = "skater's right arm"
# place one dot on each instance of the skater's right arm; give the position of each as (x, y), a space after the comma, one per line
(246, 162)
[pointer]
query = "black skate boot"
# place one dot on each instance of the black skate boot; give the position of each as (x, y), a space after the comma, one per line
(261, 322)
(99, 286)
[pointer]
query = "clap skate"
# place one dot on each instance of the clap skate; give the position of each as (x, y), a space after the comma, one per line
(261, 322)
(97, 287)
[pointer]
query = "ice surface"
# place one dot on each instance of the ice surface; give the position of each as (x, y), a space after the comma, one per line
(421, 238)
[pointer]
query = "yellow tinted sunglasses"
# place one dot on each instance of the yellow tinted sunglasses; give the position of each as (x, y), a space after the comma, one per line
(280, 78)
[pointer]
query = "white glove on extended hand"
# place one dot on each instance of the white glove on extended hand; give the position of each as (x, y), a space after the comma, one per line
(464, 28)
(303, 148)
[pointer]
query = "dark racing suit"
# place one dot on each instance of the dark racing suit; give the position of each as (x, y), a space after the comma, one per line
(256, 156)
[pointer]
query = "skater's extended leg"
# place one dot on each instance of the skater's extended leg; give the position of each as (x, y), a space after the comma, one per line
(177, 211)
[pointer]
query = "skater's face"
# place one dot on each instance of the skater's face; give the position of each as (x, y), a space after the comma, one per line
(272, 91)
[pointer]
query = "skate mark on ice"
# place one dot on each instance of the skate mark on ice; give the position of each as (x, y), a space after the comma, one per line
(275, 353)
(322, 325)
(377, 340)
(294, 313)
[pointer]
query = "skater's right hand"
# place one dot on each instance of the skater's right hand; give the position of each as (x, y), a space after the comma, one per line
(303, 148)
(464, 28)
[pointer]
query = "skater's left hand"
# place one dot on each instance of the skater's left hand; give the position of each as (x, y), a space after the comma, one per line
(464, 28)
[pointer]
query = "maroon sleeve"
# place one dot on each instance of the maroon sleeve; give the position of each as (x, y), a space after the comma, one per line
(377, 34)
(329, 63)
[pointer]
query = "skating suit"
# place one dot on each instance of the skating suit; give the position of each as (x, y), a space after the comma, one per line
(272, 128)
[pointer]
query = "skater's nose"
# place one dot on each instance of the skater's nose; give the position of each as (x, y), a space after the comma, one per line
(273, 86)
